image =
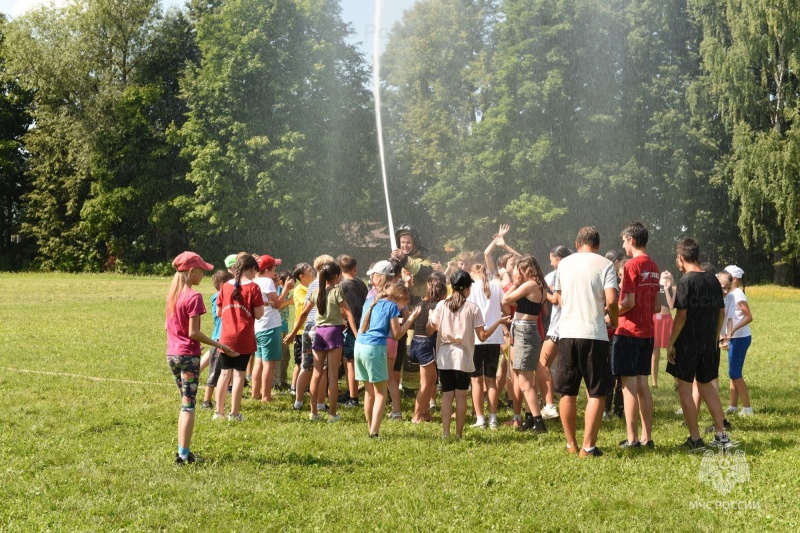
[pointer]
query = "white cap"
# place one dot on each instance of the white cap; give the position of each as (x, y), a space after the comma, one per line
(734, 271)
(382, 267)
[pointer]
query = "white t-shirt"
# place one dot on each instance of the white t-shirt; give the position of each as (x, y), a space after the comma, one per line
(272, 317)
(736, 314)
(582, 279)
(455, 343)
(491, 308)
(555, 310)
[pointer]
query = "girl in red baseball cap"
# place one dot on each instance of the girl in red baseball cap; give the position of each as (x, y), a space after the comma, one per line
(184, 309)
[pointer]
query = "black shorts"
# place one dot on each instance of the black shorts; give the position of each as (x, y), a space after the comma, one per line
(631, 356)
(486, 357)
(238, 363)
(402, 351)
(453, 380)
(585, 359)
(692, 366)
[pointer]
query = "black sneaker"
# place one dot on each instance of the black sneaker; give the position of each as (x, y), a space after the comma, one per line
(722, 442)
(649, 444)
(192, 458)
(538, 425)
(627, 444)
(527, 425)
(374, 436)
(207, 405)
(694, 445)
(594, 453)
(351, 403)
(292, 389)
(343, 397)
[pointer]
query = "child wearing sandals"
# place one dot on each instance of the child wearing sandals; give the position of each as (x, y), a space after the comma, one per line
(423, 348)
(457, 322)
(239, 305)
(183, 311)
(332, 310)
(381, 319)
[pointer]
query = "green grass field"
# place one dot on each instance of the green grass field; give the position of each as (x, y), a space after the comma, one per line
(82, 454)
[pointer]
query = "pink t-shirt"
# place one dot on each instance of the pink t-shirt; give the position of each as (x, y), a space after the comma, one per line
(189, 304)
(641, 277)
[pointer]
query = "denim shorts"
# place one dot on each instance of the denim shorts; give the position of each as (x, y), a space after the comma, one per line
(527, 345)
(423, 350)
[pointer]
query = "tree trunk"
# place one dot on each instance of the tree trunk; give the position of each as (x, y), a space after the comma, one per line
(783, 271)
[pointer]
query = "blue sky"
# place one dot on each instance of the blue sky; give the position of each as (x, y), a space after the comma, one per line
(359, 13)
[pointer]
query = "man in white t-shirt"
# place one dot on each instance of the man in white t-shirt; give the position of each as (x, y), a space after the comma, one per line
(586, 285)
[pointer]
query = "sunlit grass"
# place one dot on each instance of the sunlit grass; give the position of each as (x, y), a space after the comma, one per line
(87, 455)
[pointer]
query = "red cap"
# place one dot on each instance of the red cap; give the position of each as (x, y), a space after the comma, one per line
(267, 261)
(189, 260)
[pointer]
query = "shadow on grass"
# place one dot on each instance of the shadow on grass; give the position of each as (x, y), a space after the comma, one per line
(286, 459)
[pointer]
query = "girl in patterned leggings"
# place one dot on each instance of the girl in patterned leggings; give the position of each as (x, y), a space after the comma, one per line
(184, 308)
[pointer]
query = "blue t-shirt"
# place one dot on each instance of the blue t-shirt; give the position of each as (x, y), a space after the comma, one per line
(379, 328)
(217, 320)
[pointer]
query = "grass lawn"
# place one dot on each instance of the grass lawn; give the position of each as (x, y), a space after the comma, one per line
(79, 454)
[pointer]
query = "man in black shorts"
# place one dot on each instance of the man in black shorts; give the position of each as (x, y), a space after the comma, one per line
(693, 350)
(586, 284)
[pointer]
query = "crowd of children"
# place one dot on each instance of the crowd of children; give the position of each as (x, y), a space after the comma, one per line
(476, 325)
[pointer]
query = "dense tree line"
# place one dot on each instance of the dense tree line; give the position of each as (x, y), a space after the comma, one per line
(129, 134)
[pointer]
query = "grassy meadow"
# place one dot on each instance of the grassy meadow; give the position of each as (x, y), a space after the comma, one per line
(84, 454)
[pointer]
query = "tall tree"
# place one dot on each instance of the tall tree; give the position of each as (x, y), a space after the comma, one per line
(105, 74)
(15, 119)
(751, 55)
(435, 78)
(279, 134)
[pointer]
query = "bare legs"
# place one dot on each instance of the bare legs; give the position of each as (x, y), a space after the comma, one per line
(527, 387)
(638, 403)
(427, 390)
(593, 418)
(447, 411)
(374, 405)
(544, 379)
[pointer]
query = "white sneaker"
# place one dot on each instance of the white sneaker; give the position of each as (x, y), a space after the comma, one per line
(549, 412)
(493, 424)
(396, 416)
(314, 417)
(732, 409)
(334, 418)
(218, 416)
(479, 425)
(679, 412)
(746, 411)
(235, 418)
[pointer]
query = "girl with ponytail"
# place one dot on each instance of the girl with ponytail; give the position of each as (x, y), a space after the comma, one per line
(381, 320)
(332, 310)
(458, 323)
(239, 304)
(423, 348)
(184, 309)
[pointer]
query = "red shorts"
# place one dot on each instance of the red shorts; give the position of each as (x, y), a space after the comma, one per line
(662, 330)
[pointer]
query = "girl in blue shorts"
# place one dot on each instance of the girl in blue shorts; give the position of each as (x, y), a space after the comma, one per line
(381, 318)
(423, 348)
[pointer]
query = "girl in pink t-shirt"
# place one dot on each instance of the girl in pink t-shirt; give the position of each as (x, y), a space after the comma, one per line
(184, 308)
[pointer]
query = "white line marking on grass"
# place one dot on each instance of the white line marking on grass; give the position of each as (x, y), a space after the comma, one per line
(92, 378)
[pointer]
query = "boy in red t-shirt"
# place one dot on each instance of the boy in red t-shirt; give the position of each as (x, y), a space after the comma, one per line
(632, 346)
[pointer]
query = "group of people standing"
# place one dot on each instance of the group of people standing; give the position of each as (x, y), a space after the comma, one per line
(475, 325)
